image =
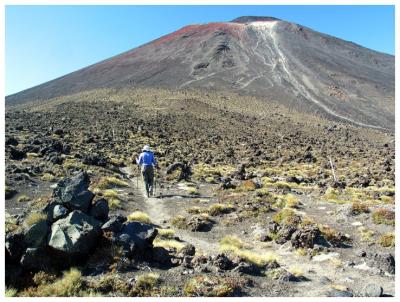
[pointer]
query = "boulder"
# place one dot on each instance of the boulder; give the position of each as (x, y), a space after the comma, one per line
(11, 141)
(72, 192)
(372, 290)
(285, 234)
(222, 262)
(100, 210)
(161, 255)
(15, 246)
(199, 224)
(75, 234)
(185, 170)
(36, 259)
(305, 237)
(36, 235)
(246, 268)
(95, 160)
(114, 224)
(136, 238)
(17, 154)
(188, 250)
(55, 211)
(339, 293)
(384, 262)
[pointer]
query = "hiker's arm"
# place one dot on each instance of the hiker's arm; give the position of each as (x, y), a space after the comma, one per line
(140, 160)
(154, 162)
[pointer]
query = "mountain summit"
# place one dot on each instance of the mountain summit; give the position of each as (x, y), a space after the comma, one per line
(262, 56)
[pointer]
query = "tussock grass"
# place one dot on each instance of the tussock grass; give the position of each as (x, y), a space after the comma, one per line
(110, 193)
(247, 185)
(232, 241)
(366, 235)
(296, 271)
(67, 286)
(179, 221)
(194, 210)
(23, 198)
(383, 216)
(11, 292)
(111, 182)
(168, 244)
(147, 281)
(139, 216)
(387, 240)
(329, 233)
(193, 191)
(232, 244)
(33, 218)
(358, 207)
(47, 177)
(114, 203)
(287, 216)
(291, 201)
(166, 233)
(387, 199)
(210, 286)
(111, 283)
(219, 208)
(71, 163)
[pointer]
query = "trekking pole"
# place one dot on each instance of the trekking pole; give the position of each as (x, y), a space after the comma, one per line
(137, 176)
(155, 183)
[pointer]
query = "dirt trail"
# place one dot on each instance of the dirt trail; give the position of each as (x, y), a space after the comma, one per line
(159, 212)
(330, 265)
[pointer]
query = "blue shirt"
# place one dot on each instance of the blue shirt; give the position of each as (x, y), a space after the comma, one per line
(146, 158)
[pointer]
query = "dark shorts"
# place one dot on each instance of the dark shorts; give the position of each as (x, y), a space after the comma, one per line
(148, 174)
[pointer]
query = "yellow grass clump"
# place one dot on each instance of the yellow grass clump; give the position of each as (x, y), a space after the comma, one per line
(34, 217)
(139, 216)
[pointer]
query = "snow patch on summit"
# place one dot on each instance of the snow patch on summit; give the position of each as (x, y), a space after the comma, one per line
(263, 24)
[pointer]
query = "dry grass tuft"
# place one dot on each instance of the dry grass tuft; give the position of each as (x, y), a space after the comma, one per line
(33, 218)
(219, 208)
(111, 182)
(210, 286)
(168, 244)
(166, 233)
(383, 216)
(358, 207)
(232, 244)
(23, 198)
(179, 221)
(139, 216)
(387, 240)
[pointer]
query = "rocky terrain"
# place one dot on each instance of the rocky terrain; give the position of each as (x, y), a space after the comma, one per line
(305, 70)
(252, 198)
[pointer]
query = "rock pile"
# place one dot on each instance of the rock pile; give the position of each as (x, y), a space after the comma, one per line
(73, 224)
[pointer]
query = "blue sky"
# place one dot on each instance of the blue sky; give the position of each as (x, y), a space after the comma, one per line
(45, 42)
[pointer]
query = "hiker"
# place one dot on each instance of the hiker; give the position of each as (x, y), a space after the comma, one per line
(147, 162)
